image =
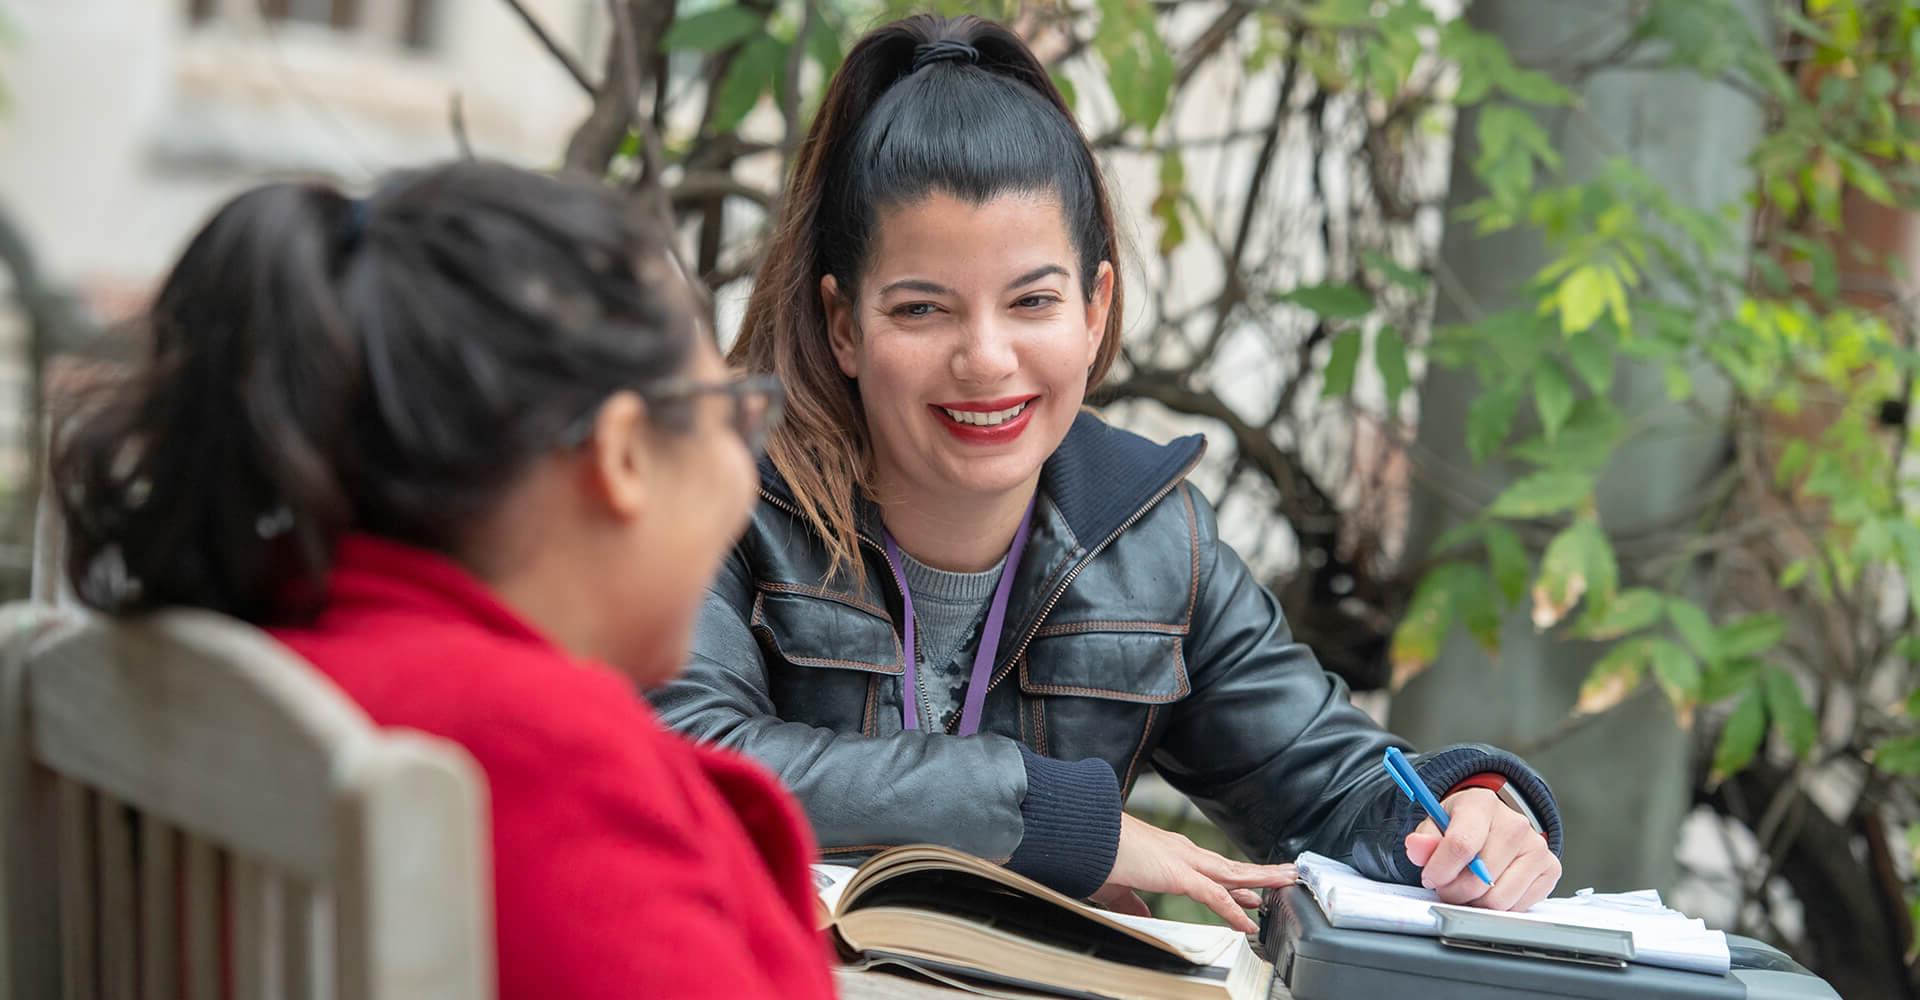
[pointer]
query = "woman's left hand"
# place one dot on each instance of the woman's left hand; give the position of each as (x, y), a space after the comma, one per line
(1524, 870)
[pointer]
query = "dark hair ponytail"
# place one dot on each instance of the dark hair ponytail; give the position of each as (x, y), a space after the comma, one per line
(320, 364)
(926, 104)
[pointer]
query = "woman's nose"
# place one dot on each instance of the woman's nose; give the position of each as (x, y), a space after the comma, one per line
(985, 354)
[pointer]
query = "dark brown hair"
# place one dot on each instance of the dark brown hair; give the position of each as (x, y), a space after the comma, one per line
(321, 364)
(977, 118)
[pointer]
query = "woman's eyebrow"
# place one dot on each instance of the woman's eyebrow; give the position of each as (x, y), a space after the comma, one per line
(1036, 274)
(916, 285)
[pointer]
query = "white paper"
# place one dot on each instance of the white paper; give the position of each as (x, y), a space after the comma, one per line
(830, 881)
(1201, 944)
(1661, 936)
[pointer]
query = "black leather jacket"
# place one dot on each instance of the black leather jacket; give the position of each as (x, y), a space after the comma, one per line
(1135, 636)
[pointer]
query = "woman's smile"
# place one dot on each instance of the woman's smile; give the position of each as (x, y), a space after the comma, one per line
(986, 422)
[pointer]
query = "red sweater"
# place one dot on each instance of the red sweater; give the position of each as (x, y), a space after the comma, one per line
(627, 862)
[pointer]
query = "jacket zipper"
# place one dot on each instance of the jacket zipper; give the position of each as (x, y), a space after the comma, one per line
(1058, 592)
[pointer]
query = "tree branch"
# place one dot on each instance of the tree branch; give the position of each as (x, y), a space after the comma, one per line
(553, 48)
(790, 104)
(637, 26)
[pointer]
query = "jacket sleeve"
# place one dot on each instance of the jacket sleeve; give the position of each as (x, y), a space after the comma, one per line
(1269, 747)
(1055, 821)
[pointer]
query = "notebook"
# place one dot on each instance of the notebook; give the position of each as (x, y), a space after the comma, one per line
(1661, 936)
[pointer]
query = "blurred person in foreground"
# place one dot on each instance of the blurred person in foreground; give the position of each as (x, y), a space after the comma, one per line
(463, 446)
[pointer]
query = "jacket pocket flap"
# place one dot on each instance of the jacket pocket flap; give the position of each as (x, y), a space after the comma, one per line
(1148, 667)
(813, 631)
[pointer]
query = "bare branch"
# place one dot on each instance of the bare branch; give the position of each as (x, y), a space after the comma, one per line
(560, 55)
(637, 25)
(457, 120)
(790, 104)
(701, 185)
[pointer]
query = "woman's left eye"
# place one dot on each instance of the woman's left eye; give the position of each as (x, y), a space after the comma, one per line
(1036, 301)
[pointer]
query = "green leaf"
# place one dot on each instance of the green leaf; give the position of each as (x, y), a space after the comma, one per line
(1578, 561)
(1631, 611)
(1679, 383)
(1547, 492)
(1166, 204)
(1826, 275)
(1430, 615)
(1790, 712)
(1068, 92)
(1412, 281)
(1694, 626)
(1390, 355)
(1507, 557)
(1535, 87)
(1553, 398)
(1899, 756)
(1679, 676)
(1750, 636)
(1613, 678)
(1740, 738)
(1793, 461)
(1341, 362)
(1722, 679)
(1592, 359)
(1585, 444)
(1478, 607)
(754, 69)
(1491, 418)
(1330, 301)
(1582, 297)
(711, 30)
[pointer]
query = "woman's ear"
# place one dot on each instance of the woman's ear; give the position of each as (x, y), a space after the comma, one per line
(620, 456)
(1098, 305)
(842, 331)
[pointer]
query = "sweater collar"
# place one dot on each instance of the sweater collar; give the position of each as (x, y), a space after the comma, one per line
(369, 571)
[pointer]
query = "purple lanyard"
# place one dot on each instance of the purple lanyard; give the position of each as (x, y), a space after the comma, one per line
(989, 634)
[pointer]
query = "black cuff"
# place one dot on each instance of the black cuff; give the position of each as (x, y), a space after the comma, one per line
(1443, 769)
(1072, 820)
(1379, 850)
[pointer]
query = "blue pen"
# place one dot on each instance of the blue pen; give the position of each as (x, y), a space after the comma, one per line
(1410, 783)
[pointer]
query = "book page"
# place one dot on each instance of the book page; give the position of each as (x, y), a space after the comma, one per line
(1661, 936)
(830, 882)
(1201, 944)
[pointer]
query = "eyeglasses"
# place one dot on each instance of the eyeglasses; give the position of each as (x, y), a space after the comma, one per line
(757, 402)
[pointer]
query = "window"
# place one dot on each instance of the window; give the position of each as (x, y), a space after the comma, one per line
(407, 23)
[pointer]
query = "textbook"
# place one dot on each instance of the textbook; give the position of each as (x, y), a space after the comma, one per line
(973, 924)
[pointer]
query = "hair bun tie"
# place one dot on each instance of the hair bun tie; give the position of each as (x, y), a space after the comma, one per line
(944, 50)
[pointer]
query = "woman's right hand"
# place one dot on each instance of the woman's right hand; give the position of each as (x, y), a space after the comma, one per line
(1154, 860)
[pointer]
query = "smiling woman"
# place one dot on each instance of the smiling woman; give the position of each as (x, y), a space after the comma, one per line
(967, 611)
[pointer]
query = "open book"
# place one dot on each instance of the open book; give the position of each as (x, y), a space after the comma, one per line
(1661, 936)
(975, 924)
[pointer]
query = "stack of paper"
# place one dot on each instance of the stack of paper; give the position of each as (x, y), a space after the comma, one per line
(1661, 936)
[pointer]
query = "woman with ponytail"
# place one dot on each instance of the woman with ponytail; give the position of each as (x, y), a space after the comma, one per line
(968, 612)
(462, 446)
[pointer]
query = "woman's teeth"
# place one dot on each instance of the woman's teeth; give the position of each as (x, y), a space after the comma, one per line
(992, 419)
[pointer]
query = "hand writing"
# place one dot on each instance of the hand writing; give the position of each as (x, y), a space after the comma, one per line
(1524, 870)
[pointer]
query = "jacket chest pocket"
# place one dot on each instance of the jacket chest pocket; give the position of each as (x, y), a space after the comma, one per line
(1100, 690)
(828, 664)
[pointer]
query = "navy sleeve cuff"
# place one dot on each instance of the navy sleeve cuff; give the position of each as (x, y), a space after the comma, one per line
(1071, 816)
(1446, 768)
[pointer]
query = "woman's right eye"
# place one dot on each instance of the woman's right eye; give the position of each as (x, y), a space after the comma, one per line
(915, 310)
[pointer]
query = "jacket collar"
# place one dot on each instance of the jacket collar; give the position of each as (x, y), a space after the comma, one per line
(1098, 478)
